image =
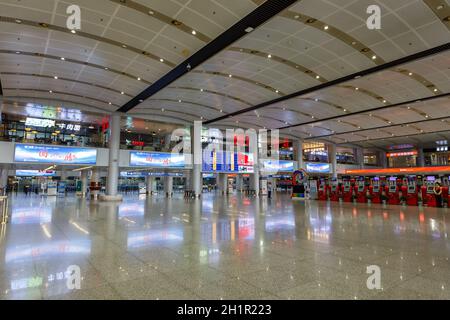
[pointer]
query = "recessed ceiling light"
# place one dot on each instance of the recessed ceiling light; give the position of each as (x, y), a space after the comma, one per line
(435, 90)
(325, 27)
(62, 58)
(55, 77)
(374, 57)
(384, 101)
(106, 68)
(312, 117)
(201, 90)
(296, 16)
(140, 100)
(269, 56)
(151, 12)
(439, 7)
(220, 110)
(345, 110)
(124, 46)
(427, 116)
(201, 118)
(179, 101)
(249, 29)
(50, 91)
(316, 100)
(109, 103)
(163, 110)
(161, 60)
(18, 21)
(317, 77)
(409, 108)
(138, 78)
(356, 88)
(410, 74)
(276, 91)
(230, 76)
(194, 32)
(73, 31)
(122, 92)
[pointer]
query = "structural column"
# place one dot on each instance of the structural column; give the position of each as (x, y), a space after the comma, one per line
(197, 157)
(382, 161)
(298, 149)
(112, 183)
(95, 183)
(168, 186)
(254, 178)
(4, 179)
(333, 160)
(84, 182)
(150, 185)
(359, 157)
(222, 181)
(420, 158)
(239, 183)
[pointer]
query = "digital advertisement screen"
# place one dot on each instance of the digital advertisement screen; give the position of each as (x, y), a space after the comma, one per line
(277, 165)
(35, 173)
(218, 161)
(318, 167)
(156, 160)
(54, 154)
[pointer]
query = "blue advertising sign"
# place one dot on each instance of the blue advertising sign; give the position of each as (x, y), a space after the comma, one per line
(35, 173)
(277, 165)
(318, 167)
(54, 154)
(157, 160)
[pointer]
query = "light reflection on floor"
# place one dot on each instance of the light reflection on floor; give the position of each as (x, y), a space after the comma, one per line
(235, 248)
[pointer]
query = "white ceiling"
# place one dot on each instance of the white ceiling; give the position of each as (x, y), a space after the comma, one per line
(120, 44)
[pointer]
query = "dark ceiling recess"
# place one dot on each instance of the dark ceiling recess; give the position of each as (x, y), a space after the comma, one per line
(253, 20)
(1, 88)
(385, 66)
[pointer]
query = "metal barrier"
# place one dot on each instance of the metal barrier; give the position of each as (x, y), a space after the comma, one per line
(4, 201)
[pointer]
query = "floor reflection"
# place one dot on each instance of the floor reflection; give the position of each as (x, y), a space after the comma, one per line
(235, 247)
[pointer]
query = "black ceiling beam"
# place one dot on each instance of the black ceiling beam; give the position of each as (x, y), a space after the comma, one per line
(439, 96)
(378, 68)
(253, 20)
(1, 88)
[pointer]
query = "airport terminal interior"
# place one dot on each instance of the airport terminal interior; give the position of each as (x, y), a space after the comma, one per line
(224, 149)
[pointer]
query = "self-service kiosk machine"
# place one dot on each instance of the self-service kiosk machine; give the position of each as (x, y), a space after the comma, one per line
(428, 196)
(334, 191)
(446, 190)
(393, 191)
(412, 193)
(322, 191)
(347, 191)
(376, 190)
(361, 191)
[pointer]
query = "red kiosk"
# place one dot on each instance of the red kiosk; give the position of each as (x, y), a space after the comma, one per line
(376, 190)
(428, 196)
(412, 193)
(361, 191)
(323, 188)
(348, 191)
(335, 191)
(393, 191)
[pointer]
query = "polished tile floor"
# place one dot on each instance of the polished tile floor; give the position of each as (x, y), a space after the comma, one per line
(217, 248)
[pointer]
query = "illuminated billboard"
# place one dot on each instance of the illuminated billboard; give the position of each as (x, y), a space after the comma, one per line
(277, 166)
(54, 154)
(35, 173)
(157, 160)
(318, 167)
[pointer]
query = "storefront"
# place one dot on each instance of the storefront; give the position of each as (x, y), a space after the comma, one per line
(401, 159)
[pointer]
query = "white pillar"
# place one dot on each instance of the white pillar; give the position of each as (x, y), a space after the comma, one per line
(239, 183)
(298, 155)
(168, 186)
(222, 181)
(333, 160)
(254, 178)
(150, 185)
(4, 179)
(84, 182)
(95, 183)
(113, 163)
(197, 156)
